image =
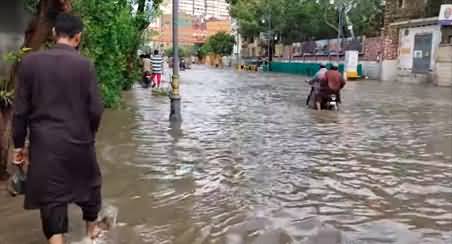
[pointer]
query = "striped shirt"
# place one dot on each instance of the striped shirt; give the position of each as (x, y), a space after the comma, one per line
(157, 64)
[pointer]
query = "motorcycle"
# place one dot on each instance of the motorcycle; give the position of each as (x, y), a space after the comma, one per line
(147, 80)
(330, 103)
(182, 65)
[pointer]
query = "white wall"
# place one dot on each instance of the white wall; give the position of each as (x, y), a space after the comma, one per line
(406, 48)
(372, 69)
(389, 70)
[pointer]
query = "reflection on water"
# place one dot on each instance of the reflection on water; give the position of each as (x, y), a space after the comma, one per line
(250, 164)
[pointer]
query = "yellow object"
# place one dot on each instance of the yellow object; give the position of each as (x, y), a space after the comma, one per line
(175, 85)
(352, 75)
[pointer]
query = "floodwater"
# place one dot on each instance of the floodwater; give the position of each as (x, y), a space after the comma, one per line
(251, 164)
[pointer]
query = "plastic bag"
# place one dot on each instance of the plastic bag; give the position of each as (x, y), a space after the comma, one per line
(16, 183)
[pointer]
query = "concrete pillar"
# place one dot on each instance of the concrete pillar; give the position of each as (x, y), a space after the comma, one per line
(390, 43)
(443, 68)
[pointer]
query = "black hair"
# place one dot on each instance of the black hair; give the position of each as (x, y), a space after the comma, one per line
(322, 66)
(156, 52)
(68, 25)
(334, 67)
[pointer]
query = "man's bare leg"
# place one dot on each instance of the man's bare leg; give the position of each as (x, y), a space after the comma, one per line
(57, 239)
(92, 230)
(318, 106)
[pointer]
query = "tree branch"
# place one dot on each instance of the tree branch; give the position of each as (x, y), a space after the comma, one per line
(325, 18)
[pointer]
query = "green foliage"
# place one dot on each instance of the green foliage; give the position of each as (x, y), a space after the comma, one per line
(367, 17)
(113, 34)
(201, 51)
(6, 94)
(7, 86)
(31, 5)
(221, 43)
(184, 51)
(204, 50)
(16, 56)
(303, 20)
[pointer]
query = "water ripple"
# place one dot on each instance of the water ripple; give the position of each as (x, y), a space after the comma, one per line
(252, 165)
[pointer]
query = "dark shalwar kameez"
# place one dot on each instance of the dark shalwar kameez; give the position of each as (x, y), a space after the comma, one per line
(58, 102)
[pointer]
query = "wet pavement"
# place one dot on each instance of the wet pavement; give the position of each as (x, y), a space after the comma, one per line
(251, 164)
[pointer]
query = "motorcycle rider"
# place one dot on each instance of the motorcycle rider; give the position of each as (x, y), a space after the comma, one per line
(334, 83)
(315, 83)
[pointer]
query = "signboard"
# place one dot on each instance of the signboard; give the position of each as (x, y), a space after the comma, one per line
(405, 51)
(266, 36)
(445, 15)
(351, 61)
(418, 54)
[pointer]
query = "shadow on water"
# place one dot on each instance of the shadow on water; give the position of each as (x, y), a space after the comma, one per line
(250, 164)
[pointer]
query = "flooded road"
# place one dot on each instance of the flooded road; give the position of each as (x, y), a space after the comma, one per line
(251, 164)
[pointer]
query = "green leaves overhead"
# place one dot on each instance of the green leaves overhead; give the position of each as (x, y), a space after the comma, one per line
(113, 33)
(220, 43)
(299, 20)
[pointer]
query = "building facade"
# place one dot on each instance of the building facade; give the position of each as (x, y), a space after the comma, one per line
(396, 11)
(192, 30)
(413, 42)
(218, 9)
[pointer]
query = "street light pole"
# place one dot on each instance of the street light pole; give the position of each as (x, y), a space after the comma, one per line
(270, 39)
(175, 113)
(339, 5)
(339, 33)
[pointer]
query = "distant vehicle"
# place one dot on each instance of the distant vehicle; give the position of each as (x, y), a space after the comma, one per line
(147, 80)
(182, 64)
(253, 64)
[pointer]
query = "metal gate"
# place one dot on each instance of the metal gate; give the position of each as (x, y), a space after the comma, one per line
(422, 55)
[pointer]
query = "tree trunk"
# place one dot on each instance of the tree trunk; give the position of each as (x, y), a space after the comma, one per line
(5, 139)
(142, 25)
(37, 34)
(40, 29)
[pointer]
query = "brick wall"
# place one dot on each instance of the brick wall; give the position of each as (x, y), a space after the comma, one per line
(373, 49)
(413, 9)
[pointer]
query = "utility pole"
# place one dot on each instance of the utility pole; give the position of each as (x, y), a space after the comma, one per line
(175, 113)
(270, 39)
(193, 7)
(269, 36)
(238, 45)
(339, 33)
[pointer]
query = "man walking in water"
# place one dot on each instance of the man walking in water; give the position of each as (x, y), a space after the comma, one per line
(157, 68)
(58, 102)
